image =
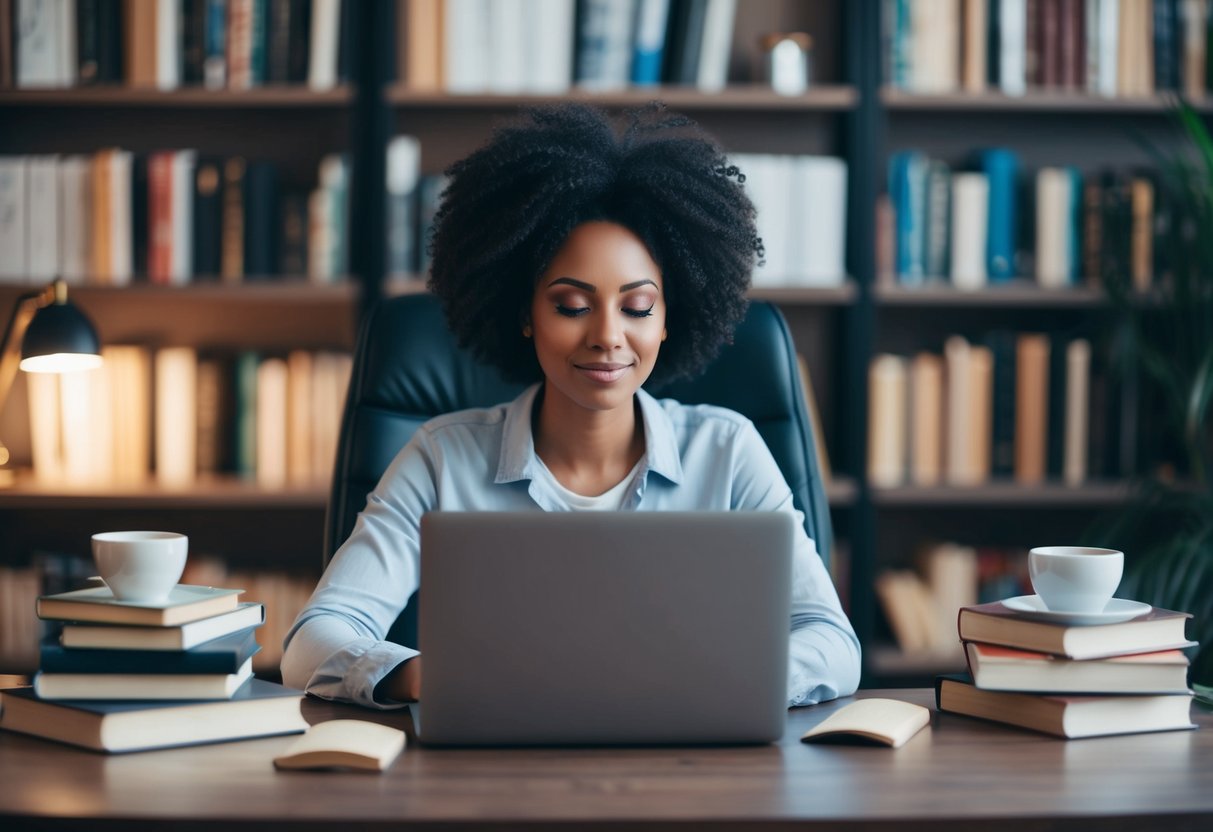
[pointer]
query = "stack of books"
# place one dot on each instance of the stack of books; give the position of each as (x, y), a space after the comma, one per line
(126, 676)
(1069, 679)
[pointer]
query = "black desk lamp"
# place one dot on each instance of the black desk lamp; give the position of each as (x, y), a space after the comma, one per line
(58, 338)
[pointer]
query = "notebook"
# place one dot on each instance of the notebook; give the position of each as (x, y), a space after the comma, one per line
(604, 628)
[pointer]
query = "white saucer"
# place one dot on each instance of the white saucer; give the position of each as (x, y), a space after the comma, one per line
(1118, 609)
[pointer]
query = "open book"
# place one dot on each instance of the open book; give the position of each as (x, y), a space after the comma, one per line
(886, 721)
(344, 743)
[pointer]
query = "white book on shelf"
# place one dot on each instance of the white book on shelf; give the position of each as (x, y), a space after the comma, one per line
(1053, 201)
(970, 210)
(271, 442)
(42, 223)
(45, 429)
(816, 239)
(121, 261)
(1107, 26)
(549, 36)
(176, 415)
(37, 43)
(1078, 383)
(129, 369)
(66, 49)
(182, 212)
(323, 44)
(168, 44)
(84, 399)
(14, 185)
(75, 206)
(935, 62)
(319, 236)
(768, 184)
(957, 427)
(716, 45)
(888, 407)
(1012, 46)
(466, 39)
(507, 44)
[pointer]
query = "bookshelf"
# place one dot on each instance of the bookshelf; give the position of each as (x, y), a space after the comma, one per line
(848, 112)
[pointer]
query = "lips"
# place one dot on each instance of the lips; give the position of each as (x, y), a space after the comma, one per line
(602, 372)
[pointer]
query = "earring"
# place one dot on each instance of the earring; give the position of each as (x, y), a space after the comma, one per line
(526, 331)
(664, 334)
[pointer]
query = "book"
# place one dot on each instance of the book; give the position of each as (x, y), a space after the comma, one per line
(344, 743)
(258, 709)
(888, 722)
(1069, 717)
(1004, 668)
(185, 603)
(224, 655)
(993, 623)
(141, 686)
(161, 639)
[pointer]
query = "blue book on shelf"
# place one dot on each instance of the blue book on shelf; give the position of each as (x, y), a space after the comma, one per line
(1002, 168)
(226, 654)
(648, 50)
(907, 192)
(1074, 219)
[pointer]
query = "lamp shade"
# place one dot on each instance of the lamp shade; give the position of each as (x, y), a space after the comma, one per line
(60, 339)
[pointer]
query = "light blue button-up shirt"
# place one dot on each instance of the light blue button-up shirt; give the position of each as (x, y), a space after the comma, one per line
(697, 458)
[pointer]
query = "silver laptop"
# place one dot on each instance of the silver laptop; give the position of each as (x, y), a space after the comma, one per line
(604, 628)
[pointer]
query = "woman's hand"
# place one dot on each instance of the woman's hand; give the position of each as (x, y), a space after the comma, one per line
(404, 683)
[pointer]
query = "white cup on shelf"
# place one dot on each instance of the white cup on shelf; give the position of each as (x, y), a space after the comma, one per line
(1075, 578)
(140, 566)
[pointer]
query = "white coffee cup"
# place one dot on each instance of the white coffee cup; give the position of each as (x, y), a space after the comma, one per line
(1075, 578)
(140, 566)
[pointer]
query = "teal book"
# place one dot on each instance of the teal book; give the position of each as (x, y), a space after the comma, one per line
(226, 654)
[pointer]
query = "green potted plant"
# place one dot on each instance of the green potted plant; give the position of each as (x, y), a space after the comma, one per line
(1164, 340)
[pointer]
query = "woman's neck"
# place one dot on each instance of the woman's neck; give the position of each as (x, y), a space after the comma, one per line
(588, 451)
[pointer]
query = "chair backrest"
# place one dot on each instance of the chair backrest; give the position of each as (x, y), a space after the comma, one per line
(407, 370)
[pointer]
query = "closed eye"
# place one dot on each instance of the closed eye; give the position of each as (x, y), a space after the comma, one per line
(639, 313)
(572, 311)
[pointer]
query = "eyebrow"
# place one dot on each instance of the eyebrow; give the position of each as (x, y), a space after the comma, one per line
(586, 287)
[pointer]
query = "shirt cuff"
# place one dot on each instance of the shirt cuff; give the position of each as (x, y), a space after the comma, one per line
(369, 669)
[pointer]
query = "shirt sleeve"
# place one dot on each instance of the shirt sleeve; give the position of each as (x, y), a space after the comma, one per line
(336, 647)
(824, 654)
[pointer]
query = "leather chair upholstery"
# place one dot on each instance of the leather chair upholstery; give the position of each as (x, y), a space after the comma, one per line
(407, 370)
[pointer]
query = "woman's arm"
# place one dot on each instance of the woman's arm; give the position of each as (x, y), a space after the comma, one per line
(336, 648)
(824, 656)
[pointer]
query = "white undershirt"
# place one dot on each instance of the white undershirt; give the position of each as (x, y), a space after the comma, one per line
(610, 500)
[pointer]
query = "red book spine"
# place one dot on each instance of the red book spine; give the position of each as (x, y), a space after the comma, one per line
(160, 217)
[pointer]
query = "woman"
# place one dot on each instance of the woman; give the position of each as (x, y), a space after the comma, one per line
(588, 263)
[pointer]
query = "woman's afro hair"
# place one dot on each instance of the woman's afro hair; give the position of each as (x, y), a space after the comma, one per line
(509, 206)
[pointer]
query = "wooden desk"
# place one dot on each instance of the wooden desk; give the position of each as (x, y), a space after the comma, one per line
(958, 774)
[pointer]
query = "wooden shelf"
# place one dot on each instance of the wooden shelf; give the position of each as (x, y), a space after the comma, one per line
(223, 493)
(1009, 495)
(1018, 294)
(828, 98)
(844, 295)
(117, 96)
(1034, 101)
(285, 291)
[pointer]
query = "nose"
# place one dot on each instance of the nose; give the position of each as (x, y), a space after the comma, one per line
(605, 331)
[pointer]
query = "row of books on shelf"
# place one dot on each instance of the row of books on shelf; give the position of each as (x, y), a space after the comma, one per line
(989, 222)
(124, 676)
(1026, 407)
(169, 217)
(1068, 679)
(545, 46)
(1104, 47)
(167, 44)
(270, 602)
(180, 416)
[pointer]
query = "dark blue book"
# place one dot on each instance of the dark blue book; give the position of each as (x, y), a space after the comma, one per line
(907, 191)
(257, 709)
(222, 655)
(1002, 168)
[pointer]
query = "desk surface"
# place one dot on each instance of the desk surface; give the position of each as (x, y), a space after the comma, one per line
(956, 774)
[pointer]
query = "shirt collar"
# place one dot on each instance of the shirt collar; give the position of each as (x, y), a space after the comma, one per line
(517, 460)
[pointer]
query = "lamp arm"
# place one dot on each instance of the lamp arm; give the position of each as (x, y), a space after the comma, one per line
(10, 347)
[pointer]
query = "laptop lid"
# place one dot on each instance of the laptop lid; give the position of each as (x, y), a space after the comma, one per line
(549, 628)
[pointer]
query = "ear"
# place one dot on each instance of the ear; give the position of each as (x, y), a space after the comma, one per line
(665, 333)
(527, 332)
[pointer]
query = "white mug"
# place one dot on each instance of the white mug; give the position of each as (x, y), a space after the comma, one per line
(1075, 578)
(140, 566)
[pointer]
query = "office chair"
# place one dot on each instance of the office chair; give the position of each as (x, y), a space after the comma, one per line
(407, 370)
